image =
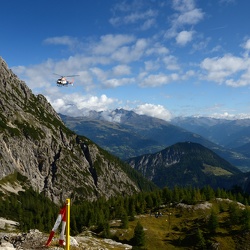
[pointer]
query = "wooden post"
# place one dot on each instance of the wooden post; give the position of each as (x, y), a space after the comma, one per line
(67, 224)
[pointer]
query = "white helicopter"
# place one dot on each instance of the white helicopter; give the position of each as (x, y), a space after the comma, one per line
(62, 81)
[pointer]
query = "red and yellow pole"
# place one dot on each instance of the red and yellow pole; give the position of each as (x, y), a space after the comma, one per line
(67, 224)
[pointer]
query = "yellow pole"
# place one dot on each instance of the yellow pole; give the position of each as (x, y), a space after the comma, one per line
(67, 224)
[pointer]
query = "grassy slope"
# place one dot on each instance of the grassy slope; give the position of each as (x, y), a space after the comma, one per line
(178, 230)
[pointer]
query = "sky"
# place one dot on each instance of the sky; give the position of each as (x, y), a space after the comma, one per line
(163, 58)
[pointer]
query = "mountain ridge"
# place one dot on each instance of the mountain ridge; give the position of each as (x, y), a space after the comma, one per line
(186, 164)
(59, 163)
(127, 134)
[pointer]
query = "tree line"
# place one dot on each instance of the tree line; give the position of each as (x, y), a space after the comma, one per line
(33, 210)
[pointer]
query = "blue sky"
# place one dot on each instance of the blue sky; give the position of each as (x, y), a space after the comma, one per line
(159, 58)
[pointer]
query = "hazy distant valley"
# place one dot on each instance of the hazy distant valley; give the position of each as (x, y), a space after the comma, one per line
(127, 134)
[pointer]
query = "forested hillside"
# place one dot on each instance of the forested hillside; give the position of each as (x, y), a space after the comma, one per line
(188, 164)
(178, 218)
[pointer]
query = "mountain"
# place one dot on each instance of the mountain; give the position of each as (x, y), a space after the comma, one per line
(127, 134)
(57, 162)
(119, 139)
(232, 135)
(186, 164)
(227, 133)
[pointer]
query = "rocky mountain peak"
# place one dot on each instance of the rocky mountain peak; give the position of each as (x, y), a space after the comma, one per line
(35, 142)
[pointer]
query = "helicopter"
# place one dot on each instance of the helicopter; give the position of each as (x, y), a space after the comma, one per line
(62, 81)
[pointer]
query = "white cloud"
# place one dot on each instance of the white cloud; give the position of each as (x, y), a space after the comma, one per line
(246, 45)
(184, 37)
(190, 17)
(128, 54)
(36, 76)
(77, 104)
(99, 73)
(171, 62)
(151, 65)
(183, 5)
(186, 14)
(110, 43)
(148, 24)
(226, 69)
(71, 42)
(229, 116)
(158, 80)
(121, 70)
(116, 82)
(157, 111)
(139, 16)
(157, 49)
(134, 13)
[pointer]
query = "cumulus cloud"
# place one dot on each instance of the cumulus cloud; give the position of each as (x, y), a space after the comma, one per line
(157, 111)
(138, 16)
(77, 104)
(189, 17)
(186, 15)
(128, 54)
(99, 73)
(110, 43)
(157, 49)
(116, 82)
(44, 75)
(246, 47)
(148, 24)
(223, 69)
(183, 5)
(35, 76)
(158, 80)
(121, 70)
(71, 42)
(184, 37)
(135, 13)
(229, 116)
(171, 62)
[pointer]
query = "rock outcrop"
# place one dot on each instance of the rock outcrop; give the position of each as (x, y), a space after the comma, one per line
(35, 142)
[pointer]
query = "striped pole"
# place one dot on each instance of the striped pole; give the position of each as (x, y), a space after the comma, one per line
(67, 224)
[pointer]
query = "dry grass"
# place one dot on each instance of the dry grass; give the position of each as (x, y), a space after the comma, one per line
(176, 229)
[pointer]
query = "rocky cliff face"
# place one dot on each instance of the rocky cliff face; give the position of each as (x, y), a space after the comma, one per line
(35, 142)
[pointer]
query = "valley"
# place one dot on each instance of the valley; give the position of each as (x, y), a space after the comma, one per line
(142, 183)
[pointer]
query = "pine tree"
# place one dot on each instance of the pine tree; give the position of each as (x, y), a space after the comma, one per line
(201, 242)
(234, 214)
(167, 195)
(209, 193)
(149, 201)
(245, 219)
(124, 220)
(139, 235)
(106, 230)
(213, 222)
(131, 211)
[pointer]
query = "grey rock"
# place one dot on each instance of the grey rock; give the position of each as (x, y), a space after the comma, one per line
(35, 142)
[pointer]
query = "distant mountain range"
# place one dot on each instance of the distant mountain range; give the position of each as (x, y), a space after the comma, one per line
(232, 134)
(126, 134)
